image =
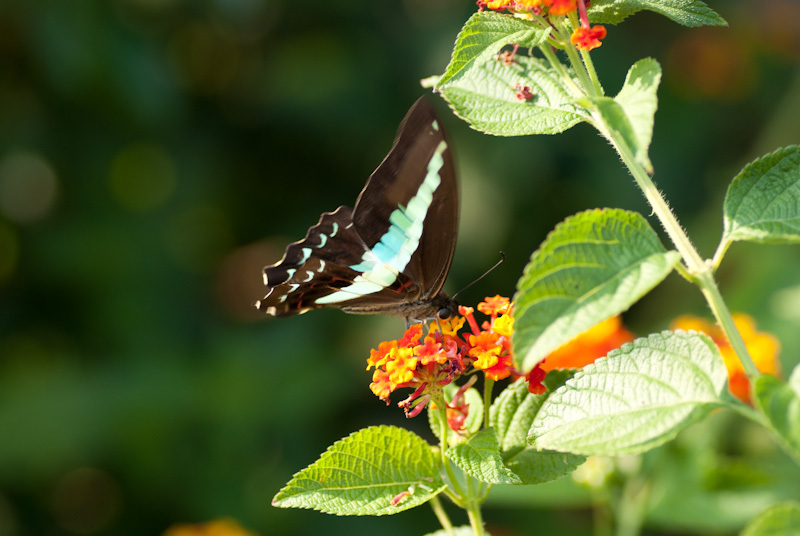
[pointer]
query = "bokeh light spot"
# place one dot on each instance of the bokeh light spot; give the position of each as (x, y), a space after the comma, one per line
(86, 500)
(142, 176)
(28, 187)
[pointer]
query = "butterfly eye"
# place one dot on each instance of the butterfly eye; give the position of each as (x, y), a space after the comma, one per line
(445, 313)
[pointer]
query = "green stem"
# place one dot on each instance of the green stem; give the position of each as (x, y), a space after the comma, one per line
(473, 508)
(630, 509)
(441, 515)
(442, 409)
(587, 59)
(559, 67)
(578, 66)
(487, 400)
(701, 271)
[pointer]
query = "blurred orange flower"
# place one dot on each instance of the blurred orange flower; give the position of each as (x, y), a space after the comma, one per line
(219, 527)
(763, 348)
(590, 345)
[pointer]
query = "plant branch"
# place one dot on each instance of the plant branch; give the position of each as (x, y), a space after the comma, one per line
(700, 270)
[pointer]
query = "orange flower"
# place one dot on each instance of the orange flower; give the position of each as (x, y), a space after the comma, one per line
(561, 7)
(501, 369)
(411, 336)
(430, 352)
(401, 365)
(485, 348)
(381, 385)
(588, 38)
(496, 305)
(763, 348)
(378, 357)
(529, 5)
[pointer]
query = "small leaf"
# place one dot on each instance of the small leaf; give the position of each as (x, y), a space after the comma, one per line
(639, 102)
(636, 398)
(482, 37)
(484, 96)
(690, 13)
(779, 520)
(594, 265)
(480, 458)
(360, 474)
(511, 415)
(780, 403)
(763, 201)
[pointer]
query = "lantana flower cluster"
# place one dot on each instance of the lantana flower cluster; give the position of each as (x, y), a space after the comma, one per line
(585, 36)
(428, 363)
(762, 347)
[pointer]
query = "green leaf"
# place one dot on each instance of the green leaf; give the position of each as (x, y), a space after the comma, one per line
(638, 100)
(636, 398)
(480, 458)
(482, 37)
(763, 201)
(779, 520)
(472, 423)
(690, 13)
(484, 96)
(592, 266)
(511, 416)
(360, 474)
(780, 403)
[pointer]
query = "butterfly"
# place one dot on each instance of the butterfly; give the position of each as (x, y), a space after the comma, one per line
(392, 252)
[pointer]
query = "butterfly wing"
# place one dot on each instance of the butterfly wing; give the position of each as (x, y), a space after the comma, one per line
(391, 254)
(408, 211)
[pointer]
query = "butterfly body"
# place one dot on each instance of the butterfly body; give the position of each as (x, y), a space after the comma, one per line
(391, 253)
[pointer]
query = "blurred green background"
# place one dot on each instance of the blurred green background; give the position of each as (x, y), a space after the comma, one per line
(155, 154)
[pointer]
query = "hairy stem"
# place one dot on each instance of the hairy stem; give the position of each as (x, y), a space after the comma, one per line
(701, 271)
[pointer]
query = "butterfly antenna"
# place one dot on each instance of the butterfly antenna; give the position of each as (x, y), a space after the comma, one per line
(487, 272)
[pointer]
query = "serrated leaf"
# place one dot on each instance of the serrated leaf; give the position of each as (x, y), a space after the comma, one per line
(360, 474)
(636, 398)
(639, 102)
(480, 458)
(511, 416)
(691, 13)
(484, 96)
(780, 403)
(779, 520)
(472, 423)
(763, 201)
(482, 37)
(592, 266)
